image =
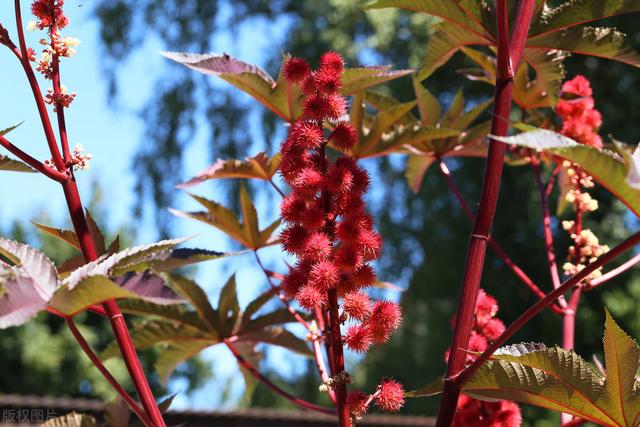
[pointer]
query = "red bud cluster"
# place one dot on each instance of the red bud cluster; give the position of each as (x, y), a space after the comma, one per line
(327, 226)
(580, 119)
(471, 412)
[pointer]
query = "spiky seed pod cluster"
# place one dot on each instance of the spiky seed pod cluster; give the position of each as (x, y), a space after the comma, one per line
(328, 228)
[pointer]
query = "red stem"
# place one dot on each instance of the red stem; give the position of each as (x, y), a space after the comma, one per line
(546, 222)
(568, 334)
(532, 311)
(105, 372)
(322, 368)
(34, 163)
(62, 126)
(494, 245)
(508, 58)
(280, 295)
(615, 272)
(300, 402)
(116, 318)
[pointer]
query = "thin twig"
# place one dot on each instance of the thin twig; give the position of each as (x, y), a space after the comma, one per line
(615, 272)
(95, 360)
(253, 371)
(33, 162)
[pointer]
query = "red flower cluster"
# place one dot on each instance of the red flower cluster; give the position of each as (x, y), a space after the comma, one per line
(50, 14)
(327, 226)
(472, 412)
(580, 119)
(475, 413)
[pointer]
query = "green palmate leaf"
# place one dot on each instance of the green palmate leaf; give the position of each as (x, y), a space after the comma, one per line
(98, 289)
(381, 102)
(96, 234)
(279, 336)
(122, 262)
(32, 263)
(549, 69)
(197, 297)
(432, 389)
(258, 167)
(171, 355)
(594, 41)
(446, 10)
(149, 333)
(247, 232)
(68, 236)
(254, 306)
(12, 165)
(383, 123)
(417, 166)
(428, 104)
(575, 12)
(9, 129)
(560, 380)
(273, 318)
(71, 420)
(228, 307)
(622, 359)
(530, 94)
(446, 41)
(607, 167)
(174, 312)
(355, 80)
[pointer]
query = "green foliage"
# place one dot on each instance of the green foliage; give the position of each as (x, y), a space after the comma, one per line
(72, 420)
(246, 232)
(560, 380)
(607, 167)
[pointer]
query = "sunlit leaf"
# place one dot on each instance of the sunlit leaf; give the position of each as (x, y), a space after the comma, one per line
(417, 166)
(358, 79)
(175, 312)
(12, 165)
(246, 232)
(606, 167)
(633, 177)
(428, 104)
(594, 41)
(151, 332)
(68, 236)
(279, 336)
(197, 297)
(228, 306)
(258, 167)
(9, 129)
(577, 12)
(71, 420)
(175, 353)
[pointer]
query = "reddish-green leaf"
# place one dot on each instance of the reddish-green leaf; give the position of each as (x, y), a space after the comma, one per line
(258, 167)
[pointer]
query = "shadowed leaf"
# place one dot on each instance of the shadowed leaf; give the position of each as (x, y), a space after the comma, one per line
(258, 167)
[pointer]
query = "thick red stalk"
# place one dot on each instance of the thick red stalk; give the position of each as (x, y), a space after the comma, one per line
(95, 360)
(116, 318)
(488, 200)
(253, 371)
(494, 245)
(532, 311)
(568, 334)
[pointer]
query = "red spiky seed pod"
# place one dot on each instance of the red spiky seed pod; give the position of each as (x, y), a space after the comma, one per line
(493, 329)
(335, 107)
(327, 82)
(348, 257)
(364, 276)
(358, 338)
(311, 298)
(390, 396)
(292, 207)
(316, 107)
(308, 135)
(324, 275)
(308, 181)
(332, 62)
(344, 136)
(296, 69)
(294, 239)
(357, 402)
(292, 282)
(357, 305)
(317, 247)
(370, 244)
(385, 318)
